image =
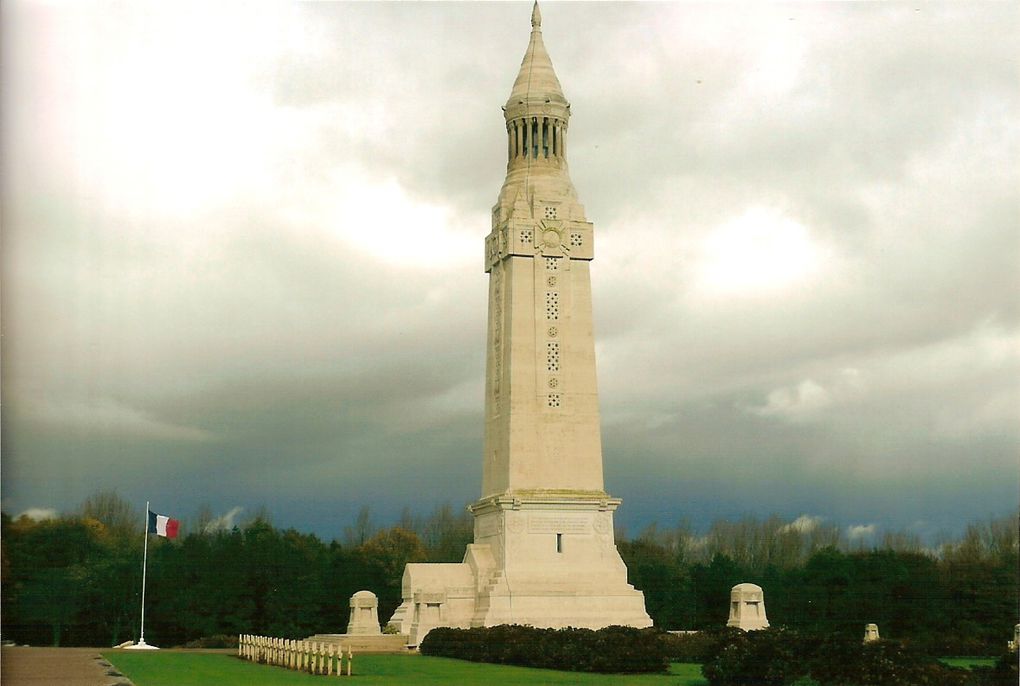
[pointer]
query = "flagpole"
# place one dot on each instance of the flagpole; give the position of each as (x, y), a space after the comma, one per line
(145, 565)
(142, 645)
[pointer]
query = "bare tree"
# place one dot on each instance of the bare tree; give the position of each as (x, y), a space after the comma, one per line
(116, 514)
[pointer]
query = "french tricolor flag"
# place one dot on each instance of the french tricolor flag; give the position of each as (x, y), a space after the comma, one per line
(164, 526)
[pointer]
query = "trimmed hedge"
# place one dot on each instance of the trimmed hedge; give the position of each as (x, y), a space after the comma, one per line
(780, 657)
(696, 646)
(615, 649)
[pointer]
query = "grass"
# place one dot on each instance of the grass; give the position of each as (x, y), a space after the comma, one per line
(182, 668)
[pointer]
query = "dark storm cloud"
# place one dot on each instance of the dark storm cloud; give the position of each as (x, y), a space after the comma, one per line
(249, 271)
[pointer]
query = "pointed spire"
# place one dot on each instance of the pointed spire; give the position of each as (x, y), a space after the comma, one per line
(536, 82)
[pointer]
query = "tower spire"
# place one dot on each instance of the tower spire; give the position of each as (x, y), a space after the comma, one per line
(536, 87)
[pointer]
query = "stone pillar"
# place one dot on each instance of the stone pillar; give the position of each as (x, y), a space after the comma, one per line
(747, 608)
(364, 614)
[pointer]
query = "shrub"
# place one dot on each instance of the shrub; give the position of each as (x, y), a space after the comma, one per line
(615, 649)
(1004, 673)
(843, 660)
(779, 657)
(696, 646)
(772, 657)
(216, 641)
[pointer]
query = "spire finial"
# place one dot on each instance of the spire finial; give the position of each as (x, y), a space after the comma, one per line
(536, 17)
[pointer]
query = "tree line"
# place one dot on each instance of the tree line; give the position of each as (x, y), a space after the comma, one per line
(75, 579)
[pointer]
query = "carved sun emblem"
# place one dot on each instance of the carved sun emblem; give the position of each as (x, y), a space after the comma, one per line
(552, 234)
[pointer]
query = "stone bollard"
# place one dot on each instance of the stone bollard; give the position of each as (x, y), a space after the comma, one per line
(364, 614)
(870, 633)
(747, 608)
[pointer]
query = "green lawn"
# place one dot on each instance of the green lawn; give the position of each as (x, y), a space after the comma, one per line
(169, 668)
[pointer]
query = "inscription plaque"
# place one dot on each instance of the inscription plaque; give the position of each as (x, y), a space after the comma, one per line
(558, 524)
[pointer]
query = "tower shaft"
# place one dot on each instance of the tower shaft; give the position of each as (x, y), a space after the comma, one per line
(543, 552)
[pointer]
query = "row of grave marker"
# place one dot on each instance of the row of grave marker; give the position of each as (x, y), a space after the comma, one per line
(313, 657)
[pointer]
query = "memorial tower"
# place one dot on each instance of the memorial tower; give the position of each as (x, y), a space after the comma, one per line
(543, 552)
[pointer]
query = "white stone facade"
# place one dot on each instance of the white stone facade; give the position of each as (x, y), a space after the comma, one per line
(544, 552)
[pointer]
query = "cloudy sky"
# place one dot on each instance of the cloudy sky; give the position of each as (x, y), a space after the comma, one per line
(242, 254)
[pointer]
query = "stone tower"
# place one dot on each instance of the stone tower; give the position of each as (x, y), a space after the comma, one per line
(544, 552)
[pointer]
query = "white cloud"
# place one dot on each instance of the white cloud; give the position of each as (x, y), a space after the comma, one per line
(39, 514)
(383, 221)
(808, 398)
(759, 253)
(856, 532)
(796, 402)
(803, 524)
(224, 522)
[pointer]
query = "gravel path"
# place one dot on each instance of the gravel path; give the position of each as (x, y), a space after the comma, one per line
(57, 667)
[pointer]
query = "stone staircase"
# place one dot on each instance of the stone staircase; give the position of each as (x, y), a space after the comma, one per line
(378, 643)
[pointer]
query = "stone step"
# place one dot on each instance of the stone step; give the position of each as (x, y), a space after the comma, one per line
(381, 643)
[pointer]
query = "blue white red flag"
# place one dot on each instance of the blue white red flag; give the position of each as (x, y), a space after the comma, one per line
(164, 526)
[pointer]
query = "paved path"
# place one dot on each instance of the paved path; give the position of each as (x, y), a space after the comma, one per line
(56, 667)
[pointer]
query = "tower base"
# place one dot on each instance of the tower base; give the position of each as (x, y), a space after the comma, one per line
(545, 559)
